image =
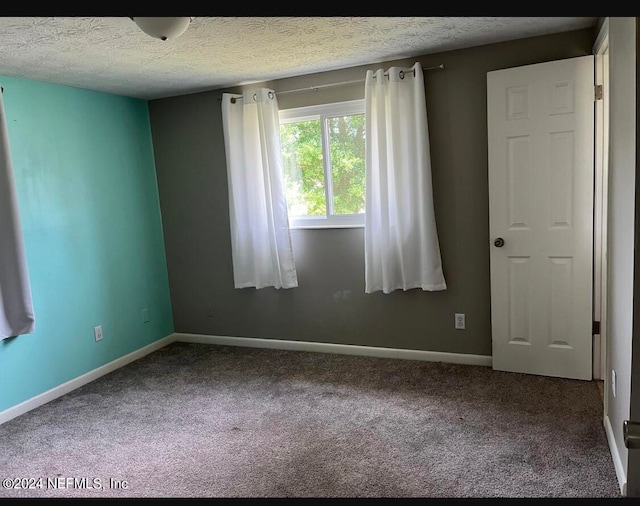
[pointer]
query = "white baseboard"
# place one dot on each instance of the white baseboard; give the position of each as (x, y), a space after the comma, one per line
(615, 455)
(70, 385)
(344, 349)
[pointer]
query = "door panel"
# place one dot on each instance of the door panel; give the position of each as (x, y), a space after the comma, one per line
(541, 168)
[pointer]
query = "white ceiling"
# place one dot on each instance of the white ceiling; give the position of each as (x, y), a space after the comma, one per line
(111, 54)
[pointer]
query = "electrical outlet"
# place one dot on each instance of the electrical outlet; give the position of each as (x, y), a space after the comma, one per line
(97, 332)
(459, 322)
(613, 382)
(145, 315)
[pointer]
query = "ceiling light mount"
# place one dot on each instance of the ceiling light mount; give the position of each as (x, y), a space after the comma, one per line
(163, 28)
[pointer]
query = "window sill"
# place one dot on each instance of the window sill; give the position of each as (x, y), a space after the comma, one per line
(341, 221)
(326, 225)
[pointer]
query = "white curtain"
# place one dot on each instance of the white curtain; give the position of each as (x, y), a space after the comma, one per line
(260, 238)
(401, 241)
(16, 306)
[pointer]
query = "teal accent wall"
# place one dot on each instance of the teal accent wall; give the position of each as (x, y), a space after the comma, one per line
(88, 199)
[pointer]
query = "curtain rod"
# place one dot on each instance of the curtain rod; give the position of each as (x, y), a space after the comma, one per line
(316, 88)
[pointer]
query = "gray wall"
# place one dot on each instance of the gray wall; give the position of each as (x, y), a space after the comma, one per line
(330, 304)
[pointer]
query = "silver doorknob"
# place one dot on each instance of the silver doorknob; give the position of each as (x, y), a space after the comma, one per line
(631, 433)
(499, 242)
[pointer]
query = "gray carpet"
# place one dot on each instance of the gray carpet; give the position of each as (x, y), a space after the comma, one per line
(195, 420)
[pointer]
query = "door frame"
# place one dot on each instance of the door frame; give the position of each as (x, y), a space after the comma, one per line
(601, 159)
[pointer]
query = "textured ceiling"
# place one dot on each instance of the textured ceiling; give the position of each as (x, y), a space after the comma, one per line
(111, 54)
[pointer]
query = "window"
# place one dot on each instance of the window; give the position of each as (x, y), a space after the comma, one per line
(323, 154)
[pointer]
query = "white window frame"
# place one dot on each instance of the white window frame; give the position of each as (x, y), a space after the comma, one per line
(322, 112)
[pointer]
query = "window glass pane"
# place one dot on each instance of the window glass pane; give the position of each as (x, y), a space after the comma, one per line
(303, 170)
(346, 141)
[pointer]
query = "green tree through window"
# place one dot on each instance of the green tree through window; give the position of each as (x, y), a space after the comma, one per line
(303, 168)
(346, 134)
(323, 153)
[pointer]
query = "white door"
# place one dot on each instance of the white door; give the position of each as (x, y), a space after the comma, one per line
(541, 182)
